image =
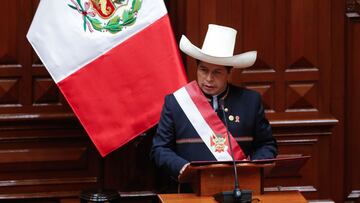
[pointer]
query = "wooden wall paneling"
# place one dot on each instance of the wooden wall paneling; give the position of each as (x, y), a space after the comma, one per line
(280, 51)
(258, 33)
(177, 14)
(129, 167)
(44, 151)
(267, 92)
(192, 33)
(45, 95)
(336, 87)
(224, 12)
(47, 157)
(304, 137)
(26, 90)
(25, 86)
(11, 58)
(207, 13)
(301, 64)
(352, 167)
(324, 53)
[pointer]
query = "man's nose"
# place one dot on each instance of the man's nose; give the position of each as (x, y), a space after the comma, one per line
(209, 77)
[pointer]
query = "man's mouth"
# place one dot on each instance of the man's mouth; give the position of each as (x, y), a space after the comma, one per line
(209, 86)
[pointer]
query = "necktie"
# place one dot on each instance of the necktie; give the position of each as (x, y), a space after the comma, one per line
(215, 103)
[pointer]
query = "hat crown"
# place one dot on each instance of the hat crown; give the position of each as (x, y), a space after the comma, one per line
(219, 41)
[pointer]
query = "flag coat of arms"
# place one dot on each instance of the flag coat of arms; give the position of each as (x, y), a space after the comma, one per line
(113, 60)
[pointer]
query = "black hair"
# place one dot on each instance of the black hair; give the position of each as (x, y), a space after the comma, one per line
(227, 67)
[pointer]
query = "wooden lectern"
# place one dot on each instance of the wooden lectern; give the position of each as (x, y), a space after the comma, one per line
(209, 178)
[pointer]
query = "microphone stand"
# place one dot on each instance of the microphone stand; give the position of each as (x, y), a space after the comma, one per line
(237, 195)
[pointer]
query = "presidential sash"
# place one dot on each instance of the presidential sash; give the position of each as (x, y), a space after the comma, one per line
(206, 122)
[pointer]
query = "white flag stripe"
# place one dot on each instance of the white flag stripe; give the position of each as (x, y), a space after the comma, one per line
(198, 122)
(65, 58)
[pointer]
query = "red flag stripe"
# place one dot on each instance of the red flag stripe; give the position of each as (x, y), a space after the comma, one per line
(124, 88)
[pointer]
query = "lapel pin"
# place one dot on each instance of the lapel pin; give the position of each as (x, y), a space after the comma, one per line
(231, 117)
(237, 119)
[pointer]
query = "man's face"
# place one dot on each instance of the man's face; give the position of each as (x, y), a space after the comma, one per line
(212, 78)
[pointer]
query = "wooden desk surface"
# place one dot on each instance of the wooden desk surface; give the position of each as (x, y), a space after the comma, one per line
(270, 197)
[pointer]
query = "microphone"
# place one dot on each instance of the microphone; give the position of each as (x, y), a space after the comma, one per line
(237, 195)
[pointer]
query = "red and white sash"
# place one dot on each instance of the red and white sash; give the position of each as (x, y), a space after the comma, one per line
(206, 122)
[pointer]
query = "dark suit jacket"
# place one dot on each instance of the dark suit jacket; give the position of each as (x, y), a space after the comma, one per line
(177, 143)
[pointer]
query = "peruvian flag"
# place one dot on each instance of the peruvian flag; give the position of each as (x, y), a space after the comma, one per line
(113, 60)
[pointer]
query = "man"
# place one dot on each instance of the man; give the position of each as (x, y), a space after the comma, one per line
(194, 119)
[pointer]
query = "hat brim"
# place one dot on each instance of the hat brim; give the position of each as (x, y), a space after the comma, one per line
(243, 60)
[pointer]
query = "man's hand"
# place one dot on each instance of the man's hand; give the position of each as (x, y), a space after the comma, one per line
(182, 170)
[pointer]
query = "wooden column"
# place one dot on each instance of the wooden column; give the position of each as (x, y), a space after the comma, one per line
(352, 168)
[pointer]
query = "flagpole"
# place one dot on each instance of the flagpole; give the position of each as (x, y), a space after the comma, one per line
(101, 174)
(100, 194)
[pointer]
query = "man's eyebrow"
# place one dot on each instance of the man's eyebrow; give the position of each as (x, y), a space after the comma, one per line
(219, 69)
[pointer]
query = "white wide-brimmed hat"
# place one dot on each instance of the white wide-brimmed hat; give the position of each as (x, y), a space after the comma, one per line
(218, 48)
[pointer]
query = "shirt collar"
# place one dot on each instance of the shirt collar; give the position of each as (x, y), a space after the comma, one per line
(222, 95)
